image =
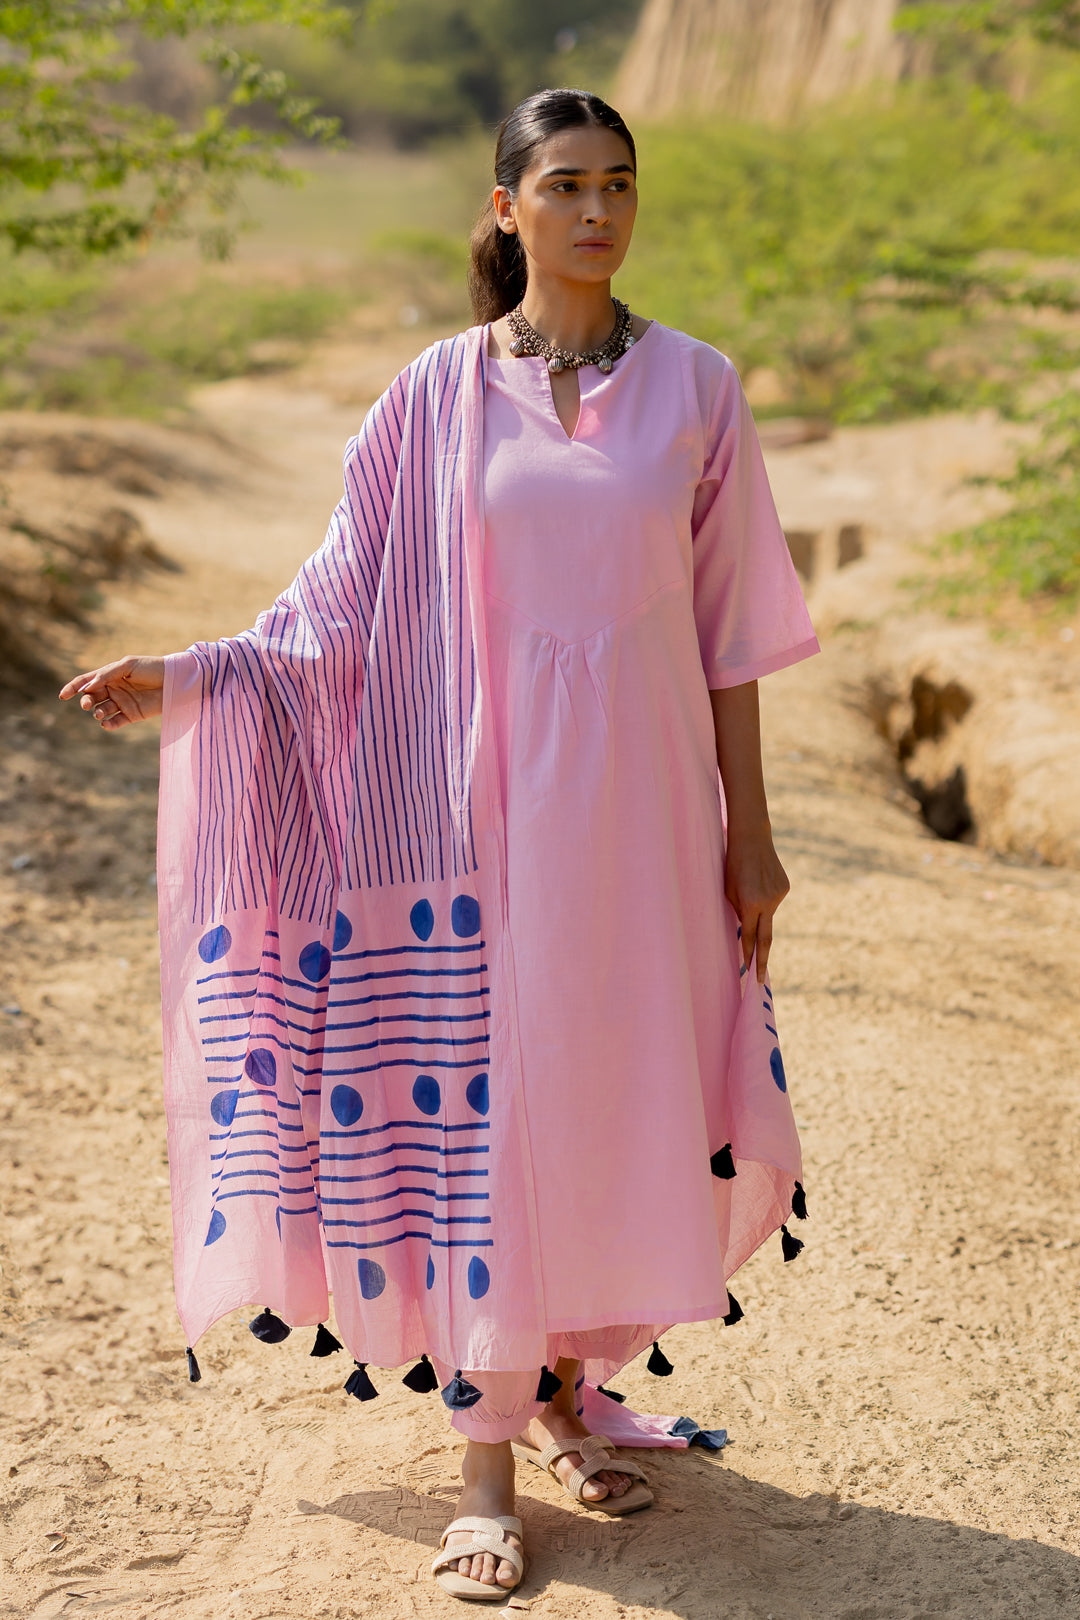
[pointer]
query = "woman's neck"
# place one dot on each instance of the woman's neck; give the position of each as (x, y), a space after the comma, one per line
(570, 316)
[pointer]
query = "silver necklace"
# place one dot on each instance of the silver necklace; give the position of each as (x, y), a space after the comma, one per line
(527, 340)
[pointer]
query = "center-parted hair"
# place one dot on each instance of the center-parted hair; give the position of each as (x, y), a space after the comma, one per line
(497, 268)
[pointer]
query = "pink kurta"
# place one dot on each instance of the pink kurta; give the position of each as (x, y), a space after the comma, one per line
(452, 1008)
(620, 584)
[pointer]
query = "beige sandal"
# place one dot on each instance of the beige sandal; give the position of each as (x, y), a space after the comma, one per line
(593, 1450)
(488, 1536)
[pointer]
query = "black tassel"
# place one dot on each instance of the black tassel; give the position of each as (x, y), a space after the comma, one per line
(549, 1385)
(798, 1202)
(722, 1163)
(325, 1343)
(359, 1384)
(735, 1311)
(658, 1364)
(269, 1328)
(459, 1393)
(612, 1394)
(791, 1246)
(194, 1375)
(421, 1379)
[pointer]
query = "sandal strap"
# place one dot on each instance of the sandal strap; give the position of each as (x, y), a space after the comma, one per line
(488, 1536)
(595, 1451)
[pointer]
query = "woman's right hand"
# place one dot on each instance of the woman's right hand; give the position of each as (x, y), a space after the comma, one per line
(119, 693)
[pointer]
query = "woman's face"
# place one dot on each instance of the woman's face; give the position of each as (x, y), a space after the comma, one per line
(575, 206)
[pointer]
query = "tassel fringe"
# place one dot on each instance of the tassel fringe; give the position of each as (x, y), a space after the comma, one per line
(798, 1202)
(269, 1328)
(194, 1375)
(658, 1364)
(421, 1379)
(792, 1246)
(612, 1394)
(359, 1384)
(459, 1394)
(325, 1342)
(722, 1163)
(549, 1385)
(735, 1311)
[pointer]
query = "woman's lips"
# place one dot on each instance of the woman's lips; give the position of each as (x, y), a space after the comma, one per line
(596, 244)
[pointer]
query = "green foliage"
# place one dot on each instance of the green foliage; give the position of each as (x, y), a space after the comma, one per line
(1031, 551)
(84, 172)
(873, 256)
(79, 348)
(414, 69)
(1050, 22)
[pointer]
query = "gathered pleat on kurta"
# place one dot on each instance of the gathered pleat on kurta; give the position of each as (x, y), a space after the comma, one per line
(452, 1002)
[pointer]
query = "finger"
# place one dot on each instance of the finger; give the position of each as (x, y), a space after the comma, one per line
(751, 922)
(77, 684)
(764, 944)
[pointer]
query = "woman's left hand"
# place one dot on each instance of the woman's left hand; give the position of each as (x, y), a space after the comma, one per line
(755, 883)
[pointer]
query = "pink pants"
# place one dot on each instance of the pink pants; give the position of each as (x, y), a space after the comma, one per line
(508, 1399)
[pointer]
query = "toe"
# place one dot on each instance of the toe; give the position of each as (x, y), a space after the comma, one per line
(594, 1490)
(506, 1575)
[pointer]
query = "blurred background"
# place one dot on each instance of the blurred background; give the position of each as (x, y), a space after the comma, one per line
(872, 206)
(224, 226)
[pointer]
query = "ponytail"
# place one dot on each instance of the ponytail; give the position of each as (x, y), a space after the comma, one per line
(497, 272)
(497, 267)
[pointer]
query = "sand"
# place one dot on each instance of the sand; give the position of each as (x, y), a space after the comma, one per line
(901, 1400)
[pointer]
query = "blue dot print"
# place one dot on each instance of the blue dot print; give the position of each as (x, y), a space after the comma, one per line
(260, 1065)
(479, 1278)
(422, 919)
(776, 1064)
(223, 1106)
(465, 916)
(215, 943)
(346, 1105)
(476, 1093)
(314, 962)
(216, 1228)
(372, 1278)
(430, 1272)
(342, 931)
(426, 1094)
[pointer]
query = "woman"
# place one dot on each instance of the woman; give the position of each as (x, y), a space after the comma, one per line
(453, 1010)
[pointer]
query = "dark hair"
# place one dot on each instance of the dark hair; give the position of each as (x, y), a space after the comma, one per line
(497, 270)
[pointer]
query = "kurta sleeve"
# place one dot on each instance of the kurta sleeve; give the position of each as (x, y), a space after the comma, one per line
(748, 607)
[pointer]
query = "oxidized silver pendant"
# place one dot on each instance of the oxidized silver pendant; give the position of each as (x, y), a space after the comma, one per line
(517, 348)
(555, 363)
(604, 364)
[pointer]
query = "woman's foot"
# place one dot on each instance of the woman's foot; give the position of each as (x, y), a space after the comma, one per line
(558, 1421)
(488, 1476)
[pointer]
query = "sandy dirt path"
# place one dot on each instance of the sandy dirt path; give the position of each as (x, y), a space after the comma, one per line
(901, 1400)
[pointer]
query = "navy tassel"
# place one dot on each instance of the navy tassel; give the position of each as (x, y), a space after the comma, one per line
(612, 1394)
(798, 1202)
(325, 1343)
(194, 1375)
(735, 1311)
(359, 1384)
(709, 1439)
(459, 1393)
(658, 1364)
(549, 1385)
(791, 1246)
(722, 1164)
(268, 1327)
(421, 1379)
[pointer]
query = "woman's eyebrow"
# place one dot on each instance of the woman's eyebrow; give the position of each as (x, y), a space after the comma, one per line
(616, 168)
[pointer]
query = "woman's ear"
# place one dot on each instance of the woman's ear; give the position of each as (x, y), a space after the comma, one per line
(504, 210)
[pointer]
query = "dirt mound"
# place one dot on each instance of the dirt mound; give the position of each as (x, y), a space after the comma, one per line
(64, 533)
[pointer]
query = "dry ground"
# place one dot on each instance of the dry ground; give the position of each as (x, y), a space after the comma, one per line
(901, 1401)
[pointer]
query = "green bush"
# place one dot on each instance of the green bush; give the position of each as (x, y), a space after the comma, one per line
(860, 254)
